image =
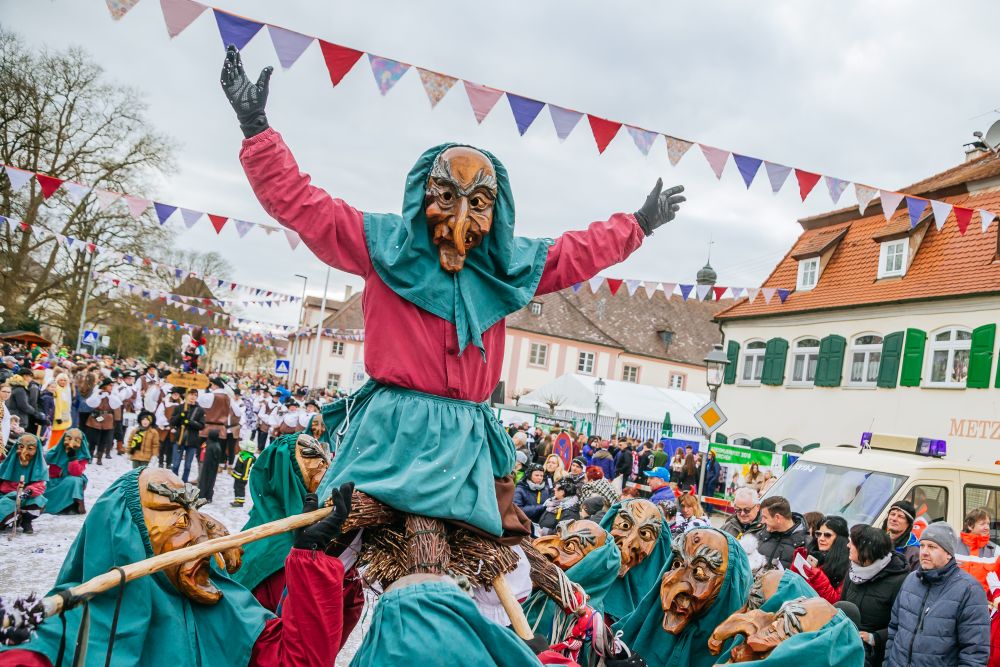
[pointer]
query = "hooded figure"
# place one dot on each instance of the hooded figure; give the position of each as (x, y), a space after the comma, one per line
(23, 463)
(626, 590)
(67, 480)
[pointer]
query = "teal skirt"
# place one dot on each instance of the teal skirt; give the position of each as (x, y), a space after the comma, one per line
(419, 453)
(8, 504)
(63, 492)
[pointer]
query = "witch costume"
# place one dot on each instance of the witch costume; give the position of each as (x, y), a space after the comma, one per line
(35, 477)
(67, 480)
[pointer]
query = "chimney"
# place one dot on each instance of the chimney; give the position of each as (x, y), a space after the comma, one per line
(971, 153)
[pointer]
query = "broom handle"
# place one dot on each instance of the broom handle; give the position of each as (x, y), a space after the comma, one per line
(510, 605)
(108, 580)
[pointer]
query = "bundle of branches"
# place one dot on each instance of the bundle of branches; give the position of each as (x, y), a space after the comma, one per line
(366, 511)
(548, 578)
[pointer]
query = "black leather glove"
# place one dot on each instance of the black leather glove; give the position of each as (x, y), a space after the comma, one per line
(660, 208)
(634, 660)
(537, 644)
(320, 534)
(248, 99)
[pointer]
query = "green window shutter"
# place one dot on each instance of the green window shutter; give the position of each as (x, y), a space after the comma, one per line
(830, 365)
(773, 372)
(981, 357)
(913, 358)
(892, 351)
(733, 354)
(762, 444)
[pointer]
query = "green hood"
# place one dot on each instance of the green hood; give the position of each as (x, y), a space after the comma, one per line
(790, 587)
(836, 643)
(278, 491)
(626, 592)
(36, 471)
(57, 456)
(157, 627)
(500, 275)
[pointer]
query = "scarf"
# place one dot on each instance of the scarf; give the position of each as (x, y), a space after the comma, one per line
(860, 574)
(535, 487)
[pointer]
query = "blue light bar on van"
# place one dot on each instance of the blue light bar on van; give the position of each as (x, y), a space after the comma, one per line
(931, 447)
(906, 444)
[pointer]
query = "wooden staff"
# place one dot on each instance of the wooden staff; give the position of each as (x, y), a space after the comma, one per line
(518, 621)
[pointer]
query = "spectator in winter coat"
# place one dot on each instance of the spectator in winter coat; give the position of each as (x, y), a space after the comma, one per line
(829, 557)
(746, 514)
(784, 532)
(594, 508)
(554, 472)
(689, 473)
(975, 539)
(564, 505)
(940, 617)
(19, 403)
(899, 525)
(531, 492)
(623, 459)
(690, 515)
(604, 459)
(659, 483)
(712, 472)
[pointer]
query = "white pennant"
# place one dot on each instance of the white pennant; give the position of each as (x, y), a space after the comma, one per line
(737, 292)
(752, 293)
(293, 238)
(941, 211)
(75, 191)
(702, 291)
(768, 293)
(18, 177)
(890, 202)
(668, 289)
(865, 195)
(631, 286)
(105, 198)
(595, 283)
(986, 217)
(650, 288)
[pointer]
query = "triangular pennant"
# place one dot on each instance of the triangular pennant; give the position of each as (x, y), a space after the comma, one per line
(482, 98)
(268, 230)
(120, 8)
(752, 293)
(941, 212)
(768, 294)
(986, 217)
(242, 227)
(136, 205)
(218, 222)
(178, 14)
(525, 111)
(643, 139)
(604, 131)
(339, 60)
(595, 283)
(737, 292)
(288, 44)
(668, 289)
(962, 218)
(18, 177)
(69, 240)
(75, 191)
(748, 167)
(865, 196)
(190, 217)
(435, 85)
(293, 238)
(632, 286)
(676, 148)
(48, 184)
(783, 294)
(650, 288)
(915, 207)
(719, 292)
(890, 200)
(702, 291)
(235, 30)
(614, 284)
(777, 174)
(163, 211)
(105, 198)
(387, 72)
(686, 291)
(836, 187)
(564, 120)
(716, 157)
(807, 181)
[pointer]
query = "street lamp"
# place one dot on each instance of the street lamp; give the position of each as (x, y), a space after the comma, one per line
(715, 372)
(297, 343)
(598, 392)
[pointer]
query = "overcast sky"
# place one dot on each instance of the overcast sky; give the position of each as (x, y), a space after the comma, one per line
(883, 93)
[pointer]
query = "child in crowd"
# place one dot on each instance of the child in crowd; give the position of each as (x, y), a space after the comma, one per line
(241, 471)
(143, 441)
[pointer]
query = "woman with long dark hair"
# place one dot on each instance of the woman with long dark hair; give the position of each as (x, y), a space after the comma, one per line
(829, 555)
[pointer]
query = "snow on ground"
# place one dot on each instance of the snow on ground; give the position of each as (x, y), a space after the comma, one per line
(30, 563)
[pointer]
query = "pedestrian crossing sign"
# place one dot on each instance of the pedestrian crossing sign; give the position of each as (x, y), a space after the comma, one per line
(281, 366)
(90, 337)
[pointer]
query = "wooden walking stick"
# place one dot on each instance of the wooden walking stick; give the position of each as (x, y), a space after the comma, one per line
(518, 621)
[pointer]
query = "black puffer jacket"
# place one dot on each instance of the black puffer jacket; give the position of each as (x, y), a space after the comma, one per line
(781, 547)
(874, 599)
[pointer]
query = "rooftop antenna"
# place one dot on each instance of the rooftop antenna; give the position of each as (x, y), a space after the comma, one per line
(708, 262)
(990, 143)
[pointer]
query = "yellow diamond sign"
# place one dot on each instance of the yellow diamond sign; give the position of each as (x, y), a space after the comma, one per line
(710, 417)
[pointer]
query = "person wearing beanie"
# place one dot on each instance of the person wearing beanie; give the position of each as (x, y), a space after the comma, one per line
(564, 505)
(899, 525)
(531, 492)
(940, 617)
(143, 440)
(594, 508)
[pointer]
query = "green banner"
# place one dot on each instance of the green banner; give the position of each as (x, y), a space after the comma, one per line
(734, 463)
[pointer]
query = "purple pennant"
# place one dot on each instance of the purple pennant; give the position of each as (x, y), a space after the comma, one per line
(643, 139)
(915, 207)
(190, 216)
(564, 120)
(163, 211)
(686, 291)
(178, 273)
(235, 29)
(387, 72)
(525, 111)
(288, 44)
(577, 286)
(783, 294)
(777, 174)
(242, 227)
(748, 167)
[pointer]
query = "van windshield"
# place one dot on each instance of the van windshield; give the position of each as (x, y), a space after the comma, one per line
(857, 495)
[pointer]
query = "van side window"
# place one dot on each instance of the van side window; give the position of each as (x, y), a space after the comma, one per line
(931, 502)
(986, 497)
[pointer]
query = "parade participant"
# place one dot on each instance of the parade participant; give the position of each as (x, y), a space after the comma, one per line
(248, 417)
(131, 403)
(440, 277)
(143, 441)
(185, 427)
(150, 389)
(23, 479)
(103, 402)
(288, 420)
(532, 492)
(67, 462)
(266, 413)
(222, 414)
(192, 348)
(164, 413)
(241, 471)
(643, 539)
(211, 460)
(773, 588)
(899, 525)
(191, 614)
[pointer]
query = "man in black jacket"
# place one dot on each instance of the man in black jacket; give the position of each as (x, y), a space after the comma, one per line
(188, 420)
(784, 532)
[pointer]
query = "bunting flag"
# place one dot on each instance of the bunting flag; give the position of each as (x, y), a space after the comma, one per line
(941, 212)
(915, 207)
(650, 288)
(807, 181)
(595, 283)
(525, 111)
(752, 293)
(577, 286)
(105, 198)
(768, 294)
(136, 205)
(190, 216)
(614, 284)
(48, 184)
(716, 158)
(293, 238)
(179, 14)
(719, 292)
(339, 60)
(435, 85)
(218, 222)
(120, 8)
(835, 187)
(482, 99)
(686, 291)
(235, 29)
(890, 201)
(643, 139)
(18, 177)
(962, 217)
(288, 44)
(75, 191)
(702, 291)
(564, 120)
(668, 289)
(777, 174)
(783, 294)
(987, 218)
(242, 227)
(163, 211)
(865, 195)
(604, 131)
(676, 148)
(748, 167)
(387, 72)
(632, 286)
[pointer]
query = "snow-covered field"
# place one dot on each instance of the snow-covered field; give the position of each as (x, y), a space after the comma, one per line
(30, 563)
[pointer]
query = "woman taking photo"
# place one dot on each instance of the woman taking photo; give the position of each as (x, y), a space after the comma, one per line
(829, 556)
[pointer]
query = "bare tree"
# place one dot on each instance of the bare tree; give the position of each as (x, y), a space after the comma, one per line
(553, 402)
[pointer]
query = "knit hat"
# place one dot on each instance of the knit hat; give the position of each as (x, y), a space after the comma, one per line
(941, 534)
(907, 508)
(594, 504)
(521, 457)
(580, 461)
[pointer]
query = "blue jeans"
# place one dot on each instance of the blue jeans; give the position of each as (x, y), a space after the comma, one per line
(189, 453)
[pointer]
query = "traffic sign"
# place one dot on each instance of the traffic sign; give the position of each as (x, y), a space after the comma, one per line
(105, 341)
(90, 337)
(710, 417)
(281, 366)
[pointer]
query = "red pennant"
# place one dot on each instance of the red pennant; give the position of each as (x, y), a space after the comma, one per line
(91, 248)
(807, 181)
(718, 292)
(604, 131)
(962, 216)
(339, 60)
(48, 184)
(614, 284)
(218, 221)
(25, 226)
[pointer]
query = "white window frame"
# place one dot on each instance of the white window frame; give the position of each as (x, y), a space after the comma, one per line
(683, 381)
(582, 365)
(332, 381)
(337, 348)
(634, 379)
(808, 273)
(950, 347)
(805, 353)
(754, 357)
(901, 249)
(866, 350)
(535, 307)
(533, 349)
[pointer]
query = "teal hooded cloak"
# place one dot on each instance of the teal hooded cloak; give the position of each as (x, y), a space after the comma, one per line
(790, 587)
(65, 490)
(158, 626)
(626, 592)
(11, 470)
(836, 644)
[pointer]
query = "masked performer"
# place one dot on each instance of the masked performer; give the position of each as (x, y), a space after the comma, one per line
(287, 471)
(190, 614)
(643, 539)
(439, 281)
(22, 503)
(67, 462)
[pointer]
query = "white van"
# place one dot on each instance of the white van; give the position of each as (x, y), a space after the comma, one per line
(859, 483)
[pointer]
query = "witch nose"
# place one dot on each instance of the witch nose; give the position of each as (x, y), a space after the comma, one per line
(461, 225)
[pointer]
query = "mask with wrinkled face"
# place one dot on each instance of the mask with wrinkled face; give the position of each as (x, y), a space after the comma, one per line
(635, 530)
(313, 458)
(458, 203)
(317, 427)
(72, 440)
(701, 558)
(571, 542)
(27, 447)
(764, 631)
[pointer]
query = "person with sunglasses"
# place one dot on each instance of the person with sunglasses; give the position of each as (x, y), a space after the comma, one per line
(746, 514)
(829, 558)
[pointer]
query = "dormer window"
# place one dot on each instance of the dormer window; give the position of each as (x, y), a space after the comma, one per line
(535, 307)
(808, 273)
(892, 258)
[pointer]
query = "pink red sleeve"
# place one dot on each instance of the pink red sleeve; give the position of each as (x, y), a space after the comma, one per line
(332, 229)
(309, 631)
(821, 584)
(76, 468)
(22, 658)
(579, 256)
(35, 488)
(55, 471)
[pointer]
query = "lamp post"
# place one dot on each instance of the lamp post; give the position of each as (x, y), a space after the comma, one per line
(715, 372)
(297, 343)
(598, 392)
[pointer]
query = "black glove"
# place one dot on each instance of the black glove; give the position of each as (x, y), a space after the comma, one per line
(321, 533)
(248, 99)
(634, 660)
(537, 644)
(660, 207)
